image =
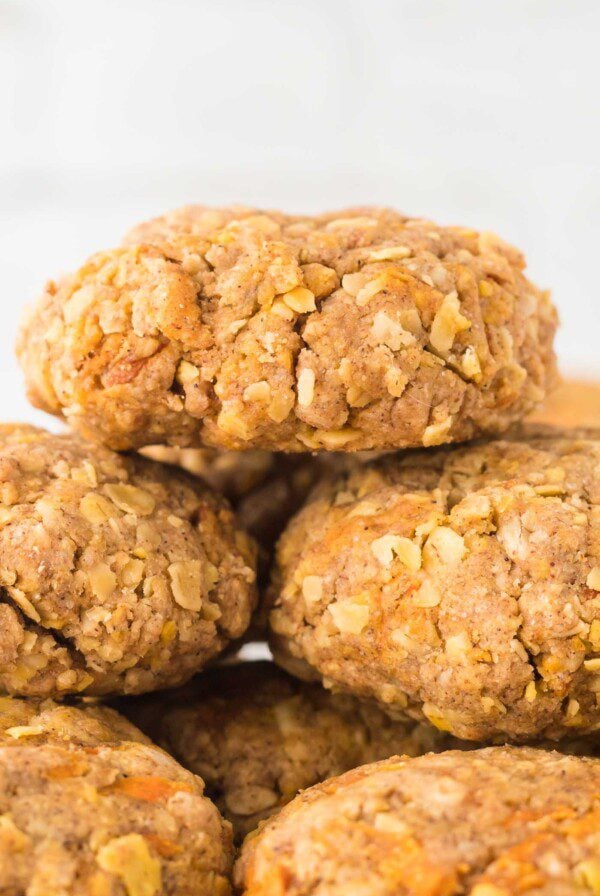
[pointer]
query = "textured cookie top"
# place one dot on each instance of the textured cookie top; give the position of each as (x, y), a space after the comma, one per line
(116, 574)
(38, 721)
(257, 737)
(236, 328)
(492, 822)
(461, 585)
(82, 812)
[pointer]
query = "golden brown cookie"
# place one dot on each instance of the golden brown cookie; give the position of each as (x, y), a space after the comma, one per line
(43, 721)
(232, 473)
(494, 822)
(265, 488)
(257, 737)
(117, 574)
(243, 329)
(88, 806)
(458, 585)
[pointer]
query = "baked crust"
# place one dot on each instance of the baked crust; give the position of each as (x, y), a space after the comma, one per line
(257, 737)
(241, 329)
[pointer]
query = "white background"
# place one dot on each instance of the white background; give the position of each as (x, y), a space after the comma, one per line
(470, 112)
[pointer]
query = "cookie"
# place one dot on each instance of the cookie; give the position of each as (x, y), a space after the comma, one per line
(242, 329)
(118, 575)
(492, 822)
(458, 585)
(265, 488)
(43, 721)
(83, 810)
(257, 737)
(232, 473)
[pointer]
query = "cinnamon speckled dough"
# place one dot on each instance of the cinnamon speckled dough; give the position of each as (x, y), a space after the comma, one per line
(240, 329)
(116, 574)
(88, 807)
(492, 822)
(43, 721)
(265, 488)
(458, 585)
(258, 737)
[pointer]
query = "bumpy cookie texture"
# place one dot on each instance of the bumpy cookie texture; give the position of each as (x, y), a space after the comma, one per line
(492, 822)
(88, 807)
(257, 737)
(240, 329)
(116, 574)
(266, 488)
(458, 585)
(42, 721)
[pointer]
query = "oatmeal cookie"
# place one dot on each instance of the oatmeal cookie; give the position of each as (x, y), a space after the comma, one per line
(232, 473)
(257, 737)
(243, 329)
(492, 822)
(88, 808)
(116, 574)
(460, 585)
(43, 721)
(266, 488)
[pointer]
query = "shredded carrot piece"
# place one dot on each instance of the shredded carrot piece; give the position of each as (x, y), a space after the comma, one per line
(150, 789)
(165, 848)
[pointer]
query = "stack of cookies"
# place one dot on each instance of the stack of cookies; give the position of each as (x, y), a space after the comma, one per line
(424, 567)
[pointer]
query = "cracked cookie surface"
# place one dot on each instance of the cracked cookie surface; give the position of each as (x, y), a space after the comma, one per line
(240, 329)
(88, 807)
(458, 585)
(257, 736)
(116, 574)
(491, 822)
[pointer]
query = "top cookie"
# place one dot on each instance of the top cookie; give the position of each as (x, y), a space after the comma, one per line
(236, 328)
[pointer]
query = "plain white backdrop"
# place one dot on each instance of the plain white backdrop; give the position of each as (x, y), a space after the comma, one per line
(468, 112)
